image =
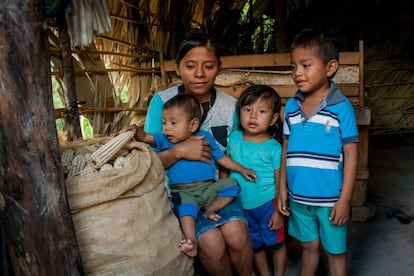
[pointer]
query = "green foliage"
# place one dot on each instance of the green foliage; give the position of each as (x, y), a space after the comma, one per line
(266, 32)
(262, 37)
(244, 12)
(57, 101)
(59, 125)
(124, 95)
(87, 131)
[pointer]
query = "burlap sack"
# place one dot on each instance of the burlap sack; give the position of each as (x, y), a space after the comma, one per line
(123, 222)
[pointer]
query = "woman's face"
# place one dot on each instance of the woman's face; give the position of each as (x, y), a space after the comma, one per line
(198, 70)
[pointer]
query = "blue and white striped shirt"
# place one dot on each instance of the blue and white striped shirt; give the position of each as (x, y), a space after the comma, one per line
(314, 157)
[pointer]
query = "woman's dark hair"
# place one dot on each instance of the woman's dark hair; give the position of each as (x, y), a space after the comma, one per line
(198, 40)
(326, 43)
(265, 92)
(186, 102)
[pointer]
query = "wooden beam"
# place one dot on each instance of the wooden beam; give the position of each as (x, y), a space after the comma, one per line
(288, 90)
(267, 60)
(108, 53)
(100, 36)
(108, 70)
(60, 112)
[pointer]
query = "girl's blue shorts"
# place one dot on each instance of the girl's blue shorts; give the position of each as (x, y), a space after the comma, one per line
(258, 221)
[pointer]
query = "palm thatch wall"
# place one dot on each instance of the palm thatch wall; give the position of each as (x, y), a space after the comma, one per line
(119, 44)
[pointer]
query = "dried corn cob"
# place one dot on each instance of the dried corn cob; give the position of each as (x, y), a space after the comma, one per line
(104, 153)
(88, 169)
(67, 157)
(78, 164)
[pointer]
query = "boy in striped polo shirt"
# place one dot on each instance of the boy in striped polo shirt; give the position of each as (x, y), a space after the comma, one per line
(319, 157)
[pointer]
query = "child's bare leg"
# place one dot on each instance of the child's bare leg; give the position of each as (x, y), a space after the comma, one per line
(260, 262)
(337, 264)
(279, 261)
(310, 258)
(189, 244)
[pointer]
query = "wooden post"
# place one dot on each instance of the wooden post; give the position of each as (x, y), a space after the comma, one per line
(38, 227)
(164, 76)
(281, 27)
(71, 127)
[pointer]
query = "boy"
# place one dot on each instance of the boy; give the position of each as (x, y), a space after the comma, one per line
(319, 156)
(192, 182)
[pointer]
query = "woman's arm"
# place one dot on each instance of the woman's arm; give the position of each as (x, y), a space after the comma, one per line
(194, 148)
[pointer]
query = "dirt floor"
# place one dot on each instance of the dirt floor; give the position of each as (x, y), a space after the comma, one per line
(383, 245)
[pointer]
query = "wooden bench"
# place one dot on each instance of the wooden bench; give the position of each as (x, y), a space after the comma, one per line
(238, 72)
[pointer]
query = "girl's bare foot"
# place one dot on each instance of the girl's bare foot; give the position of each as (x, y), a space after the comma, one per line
(188, 247)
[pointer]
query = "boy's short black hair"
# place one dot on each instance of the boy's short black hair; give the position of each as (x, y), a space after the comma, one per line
(326, 43)
(186, 102)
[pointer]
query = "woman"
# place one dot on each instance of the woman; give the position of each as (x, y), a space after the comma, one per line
(225, 244)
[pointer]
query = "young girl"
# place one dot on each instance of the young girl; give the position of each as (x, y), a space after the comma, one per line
(254, 145)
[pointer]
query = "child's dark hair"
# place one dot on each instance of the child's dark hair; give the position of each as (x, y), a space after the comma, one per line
(186, 102)
(198, 40)
(326, 43)
(255, 92)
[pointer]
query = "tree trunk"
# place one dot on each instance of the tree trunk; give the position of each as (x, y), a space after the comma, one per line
(38, 227)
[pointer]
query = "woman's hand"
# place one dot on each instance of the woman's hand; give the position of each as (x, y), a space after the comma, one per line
(194, 148)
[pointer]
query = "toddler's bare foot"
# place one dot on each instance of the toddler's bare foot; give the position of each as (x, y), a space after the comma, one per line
(211, 215)
(188, 247)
